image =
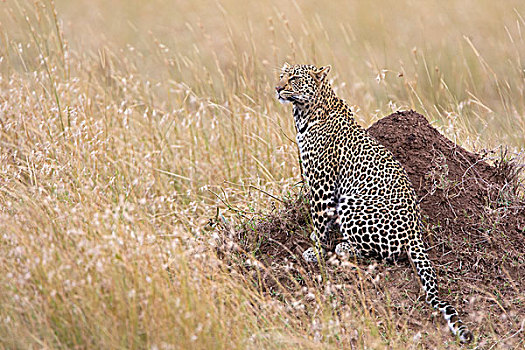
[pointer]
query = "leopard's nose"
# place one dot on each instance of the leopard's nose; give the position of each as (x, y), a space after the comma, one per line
(279, 88)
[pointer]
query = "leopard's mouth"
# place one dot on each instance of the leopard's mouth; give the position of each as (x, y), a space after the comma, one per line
(285, 96)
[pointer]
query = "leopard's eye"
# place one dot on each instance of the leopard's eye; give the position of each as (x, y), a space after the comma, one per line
(293, 77)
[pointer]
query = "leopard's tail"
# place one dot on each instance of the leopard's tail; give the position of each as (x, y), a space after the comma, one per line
(427, 275)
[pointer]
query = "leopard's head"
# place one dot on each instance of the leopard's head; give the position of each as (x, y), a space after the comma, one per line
(300, 83)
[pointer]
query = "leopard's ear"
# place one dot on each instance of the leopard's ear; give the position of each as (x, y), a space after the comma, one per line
(320, 73)
(286, 66)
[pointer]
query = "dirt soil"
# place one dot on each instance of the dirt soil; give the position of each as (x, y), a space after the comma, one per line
(475, 234)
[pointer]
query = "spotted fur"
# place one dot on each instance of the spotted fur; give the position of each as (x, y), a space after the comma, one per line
(358, 191)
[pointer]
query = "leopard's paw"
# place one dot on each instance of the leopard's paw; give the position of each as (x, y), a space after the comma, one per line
(313, 255)
(344, 250)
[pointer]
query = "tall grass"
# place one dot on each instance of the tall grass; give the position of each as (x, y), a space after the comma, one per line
(118, 117)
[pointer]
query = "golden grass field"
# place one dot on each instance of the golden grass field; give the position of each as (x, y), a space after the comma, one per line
(126, 124)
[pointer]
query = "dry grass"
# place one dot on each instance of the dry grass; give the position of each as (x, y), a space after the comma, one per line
(118, 117)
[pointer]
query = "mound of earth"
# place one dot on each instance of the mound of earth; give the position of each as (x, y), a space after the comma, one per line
(475, 234)
(472, 209)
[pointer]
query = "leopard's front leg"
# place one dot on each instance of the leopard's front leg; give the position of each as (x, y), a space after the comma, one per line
(323, 204)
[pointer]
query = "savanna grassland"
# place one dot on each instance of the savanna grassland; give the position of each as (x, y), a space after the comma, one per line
(127, 125)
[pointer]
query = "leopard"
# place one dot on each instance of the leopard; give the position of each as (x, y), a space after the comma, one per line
(360, 196)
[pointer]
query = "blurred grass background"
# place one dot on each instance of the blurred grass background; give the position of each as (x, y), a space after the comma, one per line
(117, 117)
